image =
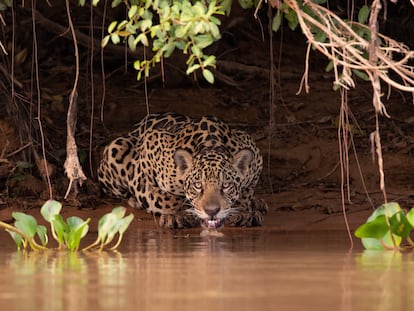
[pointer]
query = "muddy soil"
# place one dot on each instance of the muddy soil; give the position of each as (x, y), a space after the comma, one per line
(301, 180)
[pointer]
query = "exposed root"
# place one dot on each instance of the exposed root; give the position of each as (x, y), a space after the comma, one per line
(347, 48)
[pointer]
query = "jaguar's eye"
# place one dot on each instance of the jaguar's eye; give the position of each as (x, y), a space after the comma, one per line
(198, 186)
(225, 185)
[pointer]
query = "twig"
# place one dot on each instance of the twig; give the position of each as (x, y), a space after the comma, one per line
(343, 152)
(72, 165)
(92, 94)
(38, 118)
(6, 74)
(102, 63)
(18, 150)
(272, 108)
(3, 48)
(345, 48)
(376, 100)
(83, 40)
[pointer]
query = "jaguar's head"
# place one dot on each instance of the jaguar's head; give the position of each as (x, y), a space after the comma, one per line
(212, 182)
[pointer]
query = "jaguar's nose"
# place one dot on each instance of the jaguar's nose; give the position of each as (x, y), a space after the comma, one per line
(211, 210)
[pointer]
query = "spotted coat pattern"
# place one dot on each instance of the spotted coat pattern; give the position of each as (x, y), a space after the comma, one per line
(186, 171)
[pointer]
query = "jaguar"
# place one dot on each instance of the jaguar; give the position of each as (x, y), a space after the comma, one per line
(186, 171)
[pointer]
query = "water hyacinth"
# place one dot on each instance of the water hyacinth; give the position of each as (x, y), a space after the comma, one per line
(386, 228)
(68, 233)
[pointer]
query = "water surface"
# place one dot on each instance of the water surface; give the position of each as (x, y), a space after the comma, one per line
(244, 270)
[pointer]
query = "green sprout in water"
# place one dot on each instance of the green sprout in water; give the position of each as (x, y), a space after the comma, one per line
(386, 228)
(67, 233)
(109, 225)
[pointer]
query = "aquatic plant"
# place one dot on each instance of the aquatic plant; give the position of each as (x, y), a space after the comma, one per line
(68, 233)
(386, 228)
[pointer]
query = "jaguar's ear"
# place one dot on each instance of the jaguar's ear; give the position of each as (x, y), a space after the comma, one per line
(183, 159)
(242, 160)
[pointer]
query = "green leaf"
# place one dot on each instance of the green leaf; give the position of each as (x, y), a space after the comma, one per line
(148, 3)
(277, 21)
(112, 222)
(50, 209)
(132, 11)
(17, 238)
(192, 68)
(74, 221)
(208, 75)
(361, 74)
(180, 45)
(363, 14)
(78, 228)
(246, 4)
(42, 234)
(146, 24)
(215, 20)
(198, 8)
(157, 44)
(5, 4)
(180, 32)
(196, 51)
(203, 41)
(112, 26)
(199, 28)
(292, 19)
(156, 30)
(400, 225)
(381, 244)
(105, 224)
(119, 212)
(210, 61)
(375, 234)
(137, 65)
(410, 217)
(124, 223)
(131, 28)
(122, 25)
(131, 43)
(373, 229)
(105, 41)
(115, 3)
(109, 229)
(329, 66)
(61, 229)
(226, 6)
(215, 32)
(388, 209)
(142, 38)
(320, 36)
(168, 49)
(115, 38)
(25, 223)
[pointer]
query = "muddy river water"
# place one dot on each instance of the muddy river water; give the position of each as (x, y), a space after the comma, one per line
(244, 270)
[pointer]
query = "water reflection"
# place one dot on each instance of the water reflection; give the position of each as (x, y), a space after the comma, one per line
(245, 270)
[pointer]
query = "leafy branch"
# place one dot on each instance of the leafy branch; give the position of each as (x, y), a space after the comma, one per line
(166, 26)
